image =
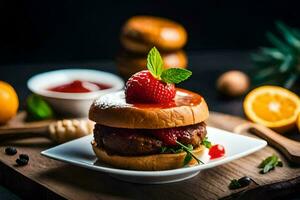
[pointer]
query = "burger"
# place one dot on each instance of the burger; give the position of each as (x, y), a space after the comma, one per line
(151, 125)
(140, 33)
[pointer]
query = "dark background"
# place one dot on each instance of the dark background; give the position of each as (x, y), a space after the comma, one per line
(35, 31)
(38, 36)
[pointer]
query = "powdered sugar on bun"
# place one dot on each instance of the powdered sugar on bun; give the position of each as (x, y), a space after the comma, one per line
(112, 110)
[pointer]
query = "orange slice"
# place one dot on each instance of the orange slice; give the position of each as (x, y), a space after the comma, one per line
(272, 106)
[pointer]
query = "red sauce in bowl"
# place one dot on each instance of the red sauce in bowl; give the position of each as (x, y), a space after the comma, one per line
(78, 86)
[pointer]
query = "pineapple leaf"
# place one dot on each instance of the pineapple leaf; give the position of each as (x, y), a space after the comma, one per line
(297, 67)
(280, 63)
(291, 80)
(282, 47)
(272, 52)
(265, 82)
(288, 35)
(296, 32)
(264, 74)
(287, 64)
(261, 58)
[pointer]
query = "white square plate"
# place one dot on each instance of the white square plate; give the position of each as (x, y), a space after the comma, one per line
(79, 152)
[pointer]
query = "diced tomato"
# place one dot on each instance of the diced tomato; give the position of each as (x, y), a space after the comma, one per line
(216, 151)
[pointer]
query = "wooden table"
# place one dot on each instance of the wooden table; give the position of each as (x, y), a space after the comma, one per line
(44, 178)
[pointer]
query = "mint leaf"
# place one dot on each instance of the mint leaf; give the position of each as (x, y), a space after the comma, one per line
(187, 159)
(269, 164)
(206, 143)
(178, 150)
(38, 109)
(163, 149)
(240, 183)
(155, 63)
(234, 184)
(265, 162)
(155, 67)
(175, 75)
(188, 150)
(190, 147)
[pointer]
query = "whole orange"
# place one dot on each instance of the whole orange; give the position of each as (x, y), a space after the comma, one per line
(9, 102)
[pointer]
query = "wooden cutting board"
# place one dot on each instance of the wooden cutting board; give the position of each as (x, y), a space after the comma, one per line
(44, 178)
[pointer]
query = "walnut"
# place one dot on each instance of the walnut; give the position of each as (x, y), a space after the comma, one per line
(233, 83)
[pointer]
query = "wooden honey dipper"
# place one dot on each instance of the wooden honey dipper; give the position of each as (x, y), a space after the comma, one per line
(59, 131)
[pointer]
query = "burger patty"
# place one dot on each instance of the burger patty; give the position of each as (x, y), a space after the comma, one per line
(134, 142)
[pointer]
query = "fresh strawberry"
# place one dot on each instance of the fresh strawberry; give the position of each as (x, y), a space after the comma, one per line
(154, 85)
(143, 87)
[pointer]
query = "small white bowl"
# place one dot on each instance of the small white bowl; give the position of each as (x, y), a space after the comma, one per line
(72, 104)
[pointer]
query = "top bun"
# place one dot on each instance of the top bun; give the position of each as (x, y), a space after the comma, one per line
(112, 110)
(141, 33)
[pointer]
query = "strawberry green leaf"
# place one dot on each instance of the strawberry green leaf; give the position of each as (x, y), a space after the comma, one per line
(175, 75)
(155, 63)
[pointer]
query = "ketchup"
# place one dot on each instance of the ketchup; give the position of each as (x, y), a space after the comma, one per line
(78, 86)
(183, 98)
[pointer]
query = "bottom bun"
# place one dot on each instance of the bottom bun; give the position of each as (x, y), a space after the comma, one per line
(149, 162)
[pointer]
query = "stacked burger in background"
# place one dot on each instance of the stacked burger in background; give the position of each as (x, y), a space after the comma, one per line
(140, 33)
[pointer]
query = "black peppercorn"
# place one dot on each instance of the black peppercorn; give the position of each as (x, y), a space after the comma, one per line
(240, 183)
(24, 156)
(21, 162)
(10, 151)
(244, 181)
